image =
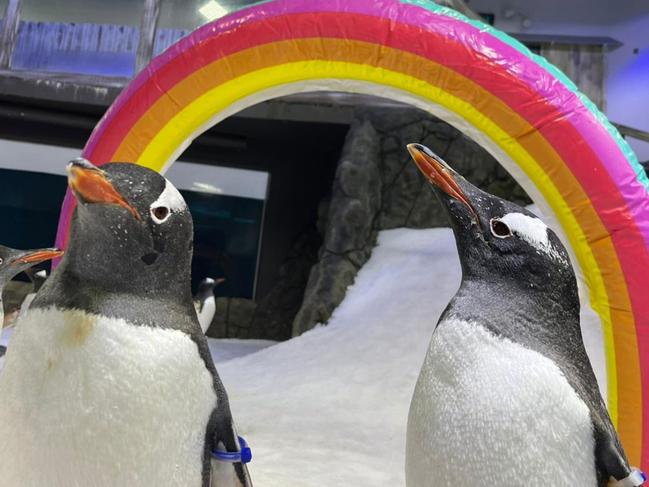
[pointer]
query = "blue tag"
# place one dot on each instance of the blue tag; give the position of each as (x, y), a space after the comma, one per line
(243, 456)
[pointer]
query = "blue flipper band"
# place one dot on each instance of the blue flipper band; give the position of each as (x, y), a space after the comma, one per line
(243, 456)
(636, 479)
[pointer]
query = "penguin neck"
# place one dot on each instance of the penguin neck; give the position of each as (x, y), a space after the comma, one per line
(142, 300)
(501, 301)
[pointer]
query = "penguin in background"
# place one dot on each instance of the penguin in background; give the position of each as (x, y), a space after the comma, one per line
(205, 301)
(12, 263)
(506, 395)
(109, 380)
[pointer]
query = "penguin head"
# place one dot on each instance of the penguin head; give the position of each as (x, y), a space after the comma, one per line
(496, 238)
(13, 262)
(132, 228)
(206, 288)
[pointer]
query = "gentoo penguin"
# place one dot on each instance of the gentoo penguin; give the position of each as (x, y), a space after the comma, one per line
(506, 395)
(205, 302)
(109, 379)
(13, 262)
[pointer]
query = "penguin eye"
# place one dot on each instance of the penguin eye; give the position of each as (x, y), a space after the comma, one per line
(160, 214)
(1, 261)
(499, 228)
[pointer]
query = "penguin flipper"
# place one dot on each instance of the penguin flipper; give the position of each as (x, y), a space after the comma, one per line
(225, 474)
(229, 475)
(612, 466)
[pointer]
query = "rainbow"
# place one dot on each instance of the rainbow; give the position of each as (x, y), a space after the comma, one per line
(515, 104)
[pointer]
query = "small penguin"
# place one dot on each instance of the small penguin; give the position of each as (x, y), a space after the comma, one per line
(506, 395)
(205, 302)
(109, 380)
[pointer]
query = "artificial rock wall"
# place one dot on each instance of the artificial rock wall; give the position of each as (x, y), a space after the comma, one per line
(377, 187)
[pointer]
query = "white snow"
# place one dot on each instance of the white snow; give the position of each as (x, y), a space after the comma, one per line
(225, 349)
(330, 407)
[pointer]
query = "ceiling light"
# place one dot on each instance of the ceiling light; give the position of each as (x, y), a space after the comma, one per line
(206, 188)
(212, 10)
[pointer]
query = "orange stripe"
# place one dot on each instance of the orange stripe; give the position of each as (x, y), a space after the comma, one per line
(358, 52)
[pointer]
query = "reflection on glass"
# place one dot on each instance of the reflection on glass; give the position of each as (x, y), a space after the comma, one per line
(78, 36)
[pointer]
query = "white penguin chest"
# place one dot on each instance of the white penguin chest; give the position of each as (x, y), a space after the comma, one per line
(488, 411)
(90, 400)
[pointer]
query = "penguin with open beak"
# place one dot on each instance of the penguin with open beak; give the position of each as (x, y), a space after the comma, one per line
(13, 262)
(109, 380)
(506, 395)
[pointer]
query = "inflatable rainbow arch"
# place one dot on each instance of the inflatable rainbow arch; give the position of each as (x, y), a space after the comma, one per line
(515, 104)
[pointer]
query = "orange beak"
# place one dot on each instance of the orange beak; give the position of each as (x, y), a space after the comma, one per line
(90, 184)
(439, 174)
(36, 256)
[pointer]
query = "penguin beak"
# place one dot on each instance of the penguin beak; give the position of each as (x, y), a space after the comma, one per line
(91, 185)
(35, 256)
(440, 175)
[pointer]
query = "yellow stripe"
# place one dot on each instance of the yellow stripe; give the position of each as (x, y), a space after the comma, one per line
(187, 122)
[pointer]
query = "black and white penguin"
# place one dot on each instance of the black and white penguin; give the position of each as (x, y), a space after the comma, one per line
(12, 263)
(506, 395)
(205, 302)
(109, 380)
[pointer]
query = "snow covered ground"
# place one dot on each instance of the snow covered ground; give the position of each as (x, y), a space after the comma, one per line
(329, 408)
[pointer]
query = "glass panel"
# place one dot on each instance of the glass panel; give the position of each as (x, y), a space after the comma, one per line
(32, 215)
(227, 205)
(78, 36)
(226, 228)
(180, 17)
(226, 240)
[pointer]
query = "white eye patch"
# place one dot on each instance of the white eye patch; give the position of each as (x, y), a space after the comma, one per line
(170, 200)
(533, 231)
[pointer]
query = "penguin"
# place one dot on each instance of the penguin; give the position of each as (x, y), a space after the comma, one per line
(12, 263)
(506, 395)
(205, 302)
(109, 380)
